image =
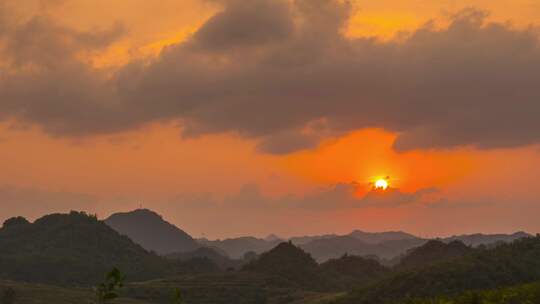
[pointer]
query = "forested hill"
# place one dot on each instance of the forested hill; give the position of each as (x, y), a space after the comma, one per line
(505, 265)
(433, 252)
(292, 263)
(71, 249)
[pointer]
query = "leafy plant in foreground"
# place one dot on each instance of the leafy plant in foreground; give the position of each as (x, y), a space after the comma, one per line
(178, 299)
(8, 296)
(107, 290)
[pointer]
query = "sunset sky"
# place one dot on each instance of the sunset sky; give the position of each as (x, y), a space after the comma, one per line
(235, 117)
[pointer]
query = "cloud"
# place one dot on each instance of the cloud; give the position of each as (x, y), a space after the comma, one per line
(41, 43)
(245, 24)
(46, 83)
(287, 141)
(345, 195)
(335, 197)
(393, 197)
(453, 204)
(270, 69)
(342, 195)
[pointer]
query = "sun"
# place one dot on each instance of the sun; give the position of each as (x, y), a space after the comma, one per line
(381, 184)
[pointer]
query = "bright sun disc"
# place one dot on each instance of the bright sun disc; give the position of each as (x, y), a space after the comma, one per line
(381, 184)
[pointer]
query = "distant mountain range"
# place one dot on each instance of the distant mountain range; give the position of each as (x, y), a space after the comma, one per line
(386, 246)
(389, 246)
(379, 237)
(324, 247)
(478, 239)
(237, 247)
(152, 232)
(329, 248)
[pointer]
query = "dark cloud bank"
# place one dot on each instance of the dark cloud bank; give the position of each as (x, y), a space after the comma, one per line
(285, 74)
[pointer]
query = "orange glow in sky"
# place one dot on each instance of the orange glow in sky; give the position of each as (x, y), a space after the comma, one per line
(381, 183)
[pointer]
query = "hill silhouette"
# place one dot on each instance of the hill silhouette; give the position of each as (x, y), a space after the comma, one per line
(432, 252)
(352, 271)
(292, 263)
(72, 249)
(152, 232)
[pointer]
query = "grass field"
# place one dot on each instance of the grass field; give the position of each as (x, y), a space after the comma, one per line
(320, 298)
(226, 288)
(45, 294)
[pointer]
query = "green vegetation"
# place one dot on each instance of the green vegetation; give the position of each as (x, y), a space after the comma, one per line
(107, 290)
(521, 294)
(351, 271)
(76, 249)
(71, 249)
(177, 298)
(299, 268)
(8, 296)
(505, 265)
(31, 293)
(215, 288)
(432, 252)
(292, 263)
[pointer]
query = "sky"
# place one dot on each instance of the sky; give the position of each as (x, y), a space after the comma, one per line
(235, 118)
